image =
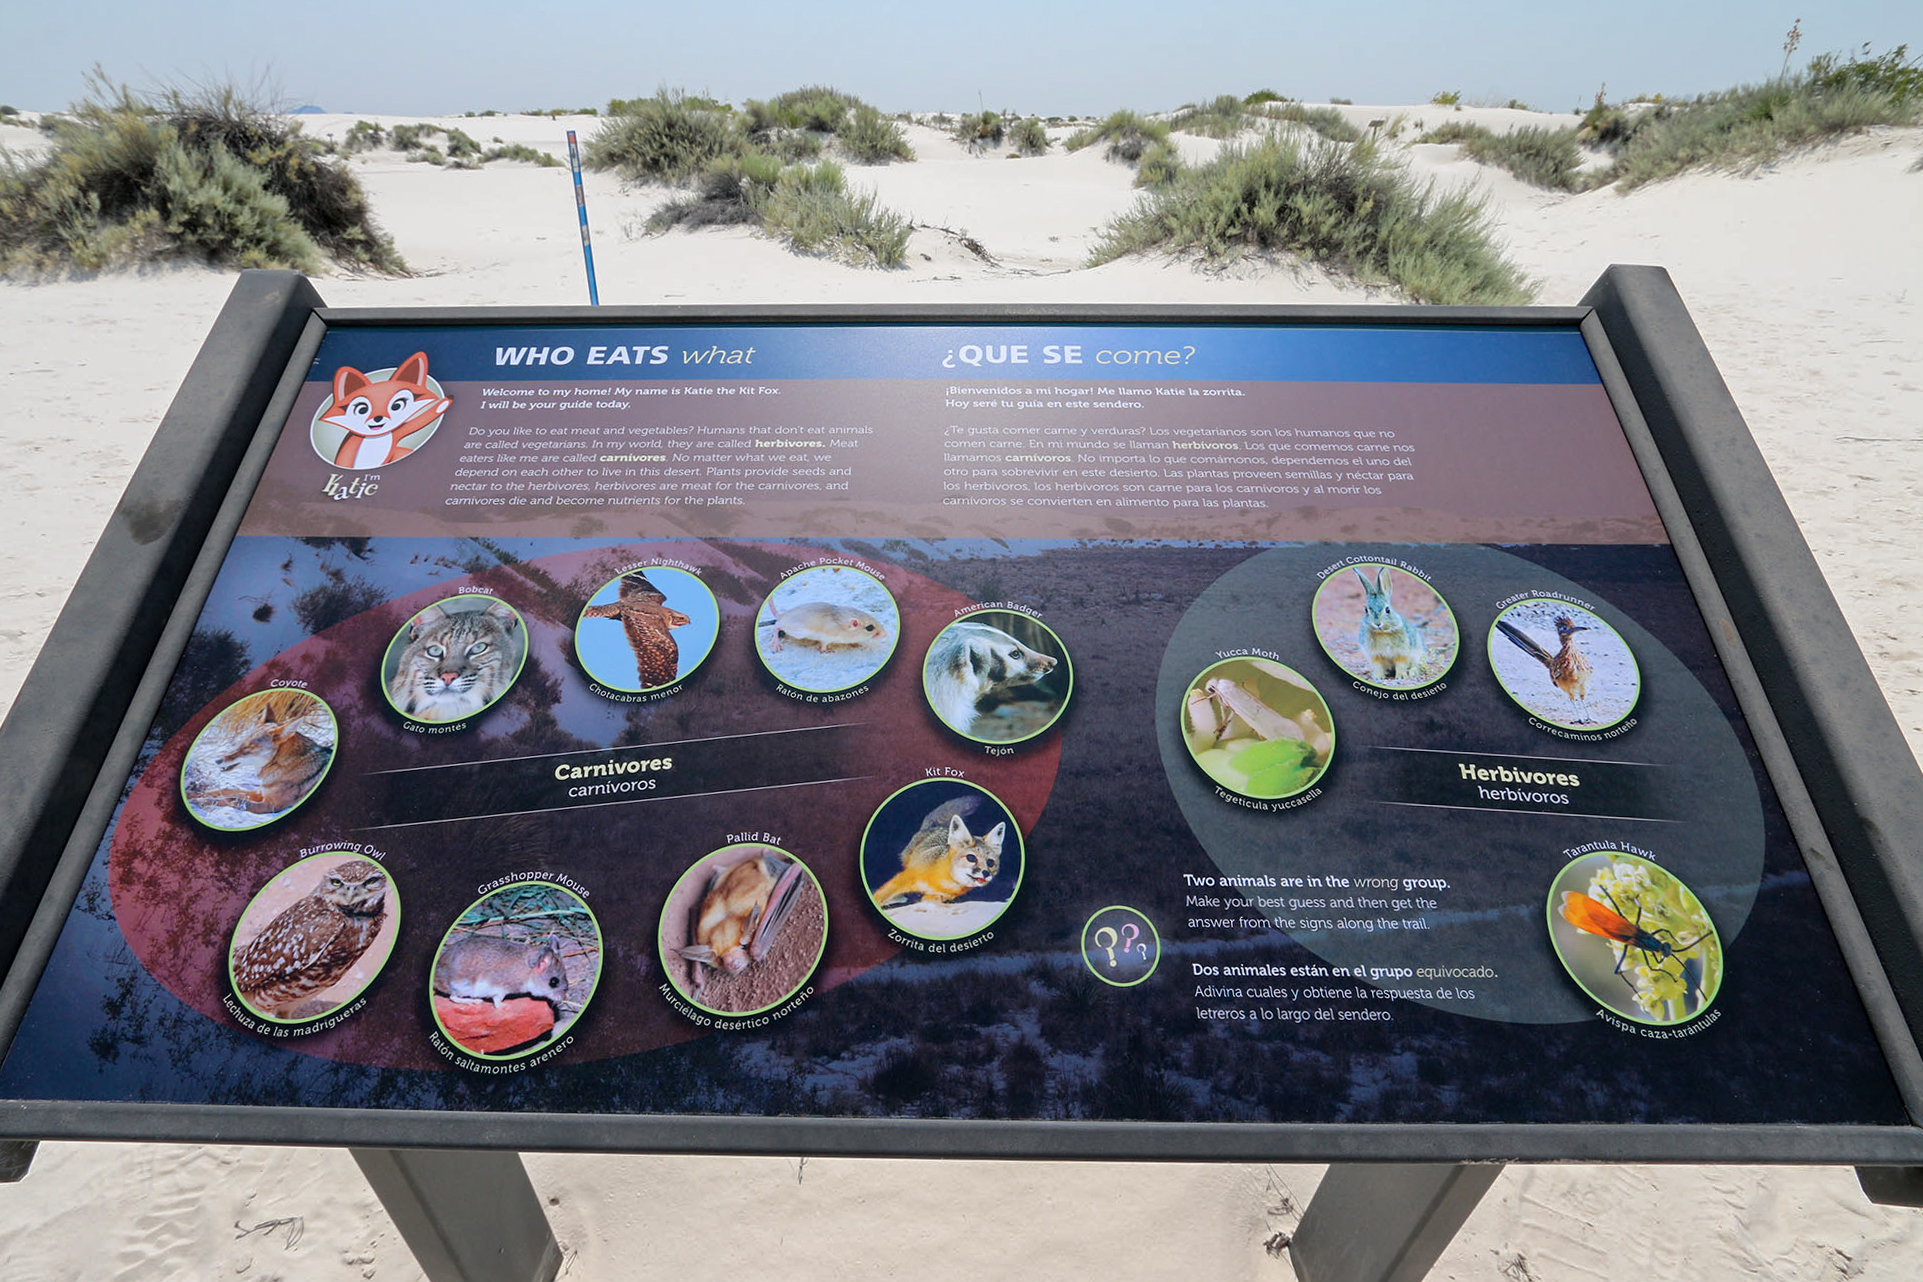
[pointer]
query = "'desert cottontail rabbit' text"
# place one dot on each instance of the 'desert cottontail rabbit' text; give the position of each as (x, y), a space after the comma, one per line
(1393, 645)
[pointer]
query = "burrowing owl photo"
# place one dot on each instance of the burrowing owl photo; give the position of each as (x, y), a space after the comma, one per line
(313, 943)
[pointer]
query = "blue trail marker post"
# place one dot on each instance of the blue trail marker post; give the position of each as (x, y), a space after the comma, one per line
(581, 208)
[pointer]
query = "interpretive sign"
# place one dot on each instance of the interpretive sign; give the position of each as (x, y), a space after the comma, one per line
(1102, 719)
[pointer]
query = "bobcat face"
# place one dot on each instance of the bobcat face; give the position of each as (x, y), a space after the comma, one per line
(456, 664)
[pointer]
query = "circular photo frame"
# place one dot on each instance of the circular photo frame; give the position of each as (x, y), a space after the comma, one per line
(997, 676)
(455, 659)
(1258, 728)
(827, 628)
(646, 629)
(1386, 627)
(1120, 945)
(516, 970)
(375, 419)
(314, 937)
(1564, 665)
(942, 859)
(259, 759)
(1635, 938)
(743, 929)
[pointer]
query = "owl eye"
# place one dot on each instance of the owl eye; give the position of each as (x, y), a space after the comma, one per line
(333, 879)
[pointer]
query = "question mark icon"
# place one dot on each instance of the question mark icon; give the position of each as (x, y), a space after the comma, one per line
(1109, 947)
(1190, 349)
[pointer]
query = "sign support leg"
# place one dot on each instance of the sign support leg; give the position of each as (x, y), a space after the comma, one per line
(468, 1216)
(16, 1156)
(1385, 1222)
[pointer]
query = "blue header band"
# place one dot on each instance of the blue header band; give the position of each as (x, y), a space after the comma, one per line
(964, 354)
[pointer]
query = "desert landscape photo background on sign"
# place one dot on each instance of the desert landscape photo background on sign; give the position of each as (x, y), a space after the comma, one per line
(1779, 179)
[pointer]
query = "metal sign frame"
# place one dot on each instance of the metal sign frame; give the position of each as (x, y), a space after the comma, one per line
(1844, 773)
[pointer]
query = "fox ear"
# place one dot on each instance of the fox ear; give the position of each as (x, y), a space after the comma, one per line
(413, 370)
(957, 830)
(348, 382)
(994, 838)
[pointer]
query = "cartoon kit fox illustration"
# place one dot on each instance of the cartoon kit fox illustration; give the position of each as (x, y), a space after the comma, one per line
(944, 860)
(376, 415)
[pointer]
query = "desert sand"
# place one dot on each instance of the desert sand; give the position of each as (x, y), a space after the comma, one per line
(1805, 277)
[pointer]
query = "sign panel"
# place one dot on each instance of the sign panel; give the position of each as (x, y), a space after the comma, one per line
(1209, 723)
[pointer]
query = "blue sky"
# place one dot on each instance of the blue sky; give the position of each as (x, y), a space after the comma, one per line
(1048, 56)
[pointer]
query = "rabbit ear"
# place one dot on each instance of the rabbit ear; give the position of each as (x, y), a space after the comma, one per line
(1365, 578)
(1383, 579)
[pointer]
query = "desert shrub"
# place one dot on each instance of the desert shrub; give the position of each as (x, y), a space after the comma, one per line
(1128, 136)
(981, 130)
(1221, 118)
(1029, 136)
(1447, 98)
(1263, 96)
(869, 138)
(667, 138)
(1326, 121)
(1450, 131)
(425, 154)
(461, 146)
(812, 209)
(207, 175)
(8, 113)
(817, 107)
(1348, 207)
(409, 137)
(1545, 157)
(363, 135)
(521, 151)
(793, 145)
(1754, 123)
(726, 192)
(1159, 165)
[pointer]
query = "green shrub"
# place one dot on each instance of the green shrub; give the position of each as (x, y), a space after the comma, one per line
(1326, 121)
(1894, 73)
(1751, 124)
(363, 135)
(425, 154)
(1447, 98)
(1263, 96)
(869, 138)
(1222, 118)
(981, 130)
(1545, 157)
(521, 151)
(8, 113)
(1159, 166)
(460, 146)
(812, 209)
(726, 192)
(207, 176)
(1029, 136)
(409, 137)
(1345, 206)
(667, 138)
(1128, 136)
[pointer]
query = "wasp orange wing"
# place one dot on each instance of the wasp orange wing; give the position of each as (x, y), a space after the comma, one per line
(1585, 914)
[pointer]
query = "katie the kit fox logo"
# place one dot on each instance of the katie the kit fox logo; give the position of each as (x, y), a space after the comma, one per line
(372, 420)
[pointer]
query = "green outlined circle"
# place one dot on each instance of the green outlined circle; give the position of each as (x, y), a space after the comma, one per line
(485, 979)
(827, 628)
(1116, 954)
(641, 637)
(1672, 967)
(1257, 727)
(1383, 660)
(996, 654)
(927, 809)
(260, 751)
(1565, 679)
(320, 943)
(415, 646)
(328, 439)
(790, 956)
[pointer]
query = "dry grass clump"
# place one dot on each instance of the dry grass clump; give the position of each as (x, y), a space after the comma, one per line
(1029, 136)
(1223, 117)
(1347, 207)
(1326, 121)
(207, 175)
(981, 130)
(668, 138)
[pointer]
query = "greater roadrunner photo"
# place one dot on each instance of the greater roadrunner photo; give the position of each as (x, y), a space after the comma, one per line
(1568, 669)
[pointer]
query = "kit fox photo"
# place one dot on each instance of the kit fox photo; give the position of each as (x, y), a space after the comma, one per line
(944, 860)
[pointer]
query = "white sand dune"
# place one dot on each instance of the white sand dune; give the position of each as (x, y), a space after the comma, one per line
(1806, 278)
